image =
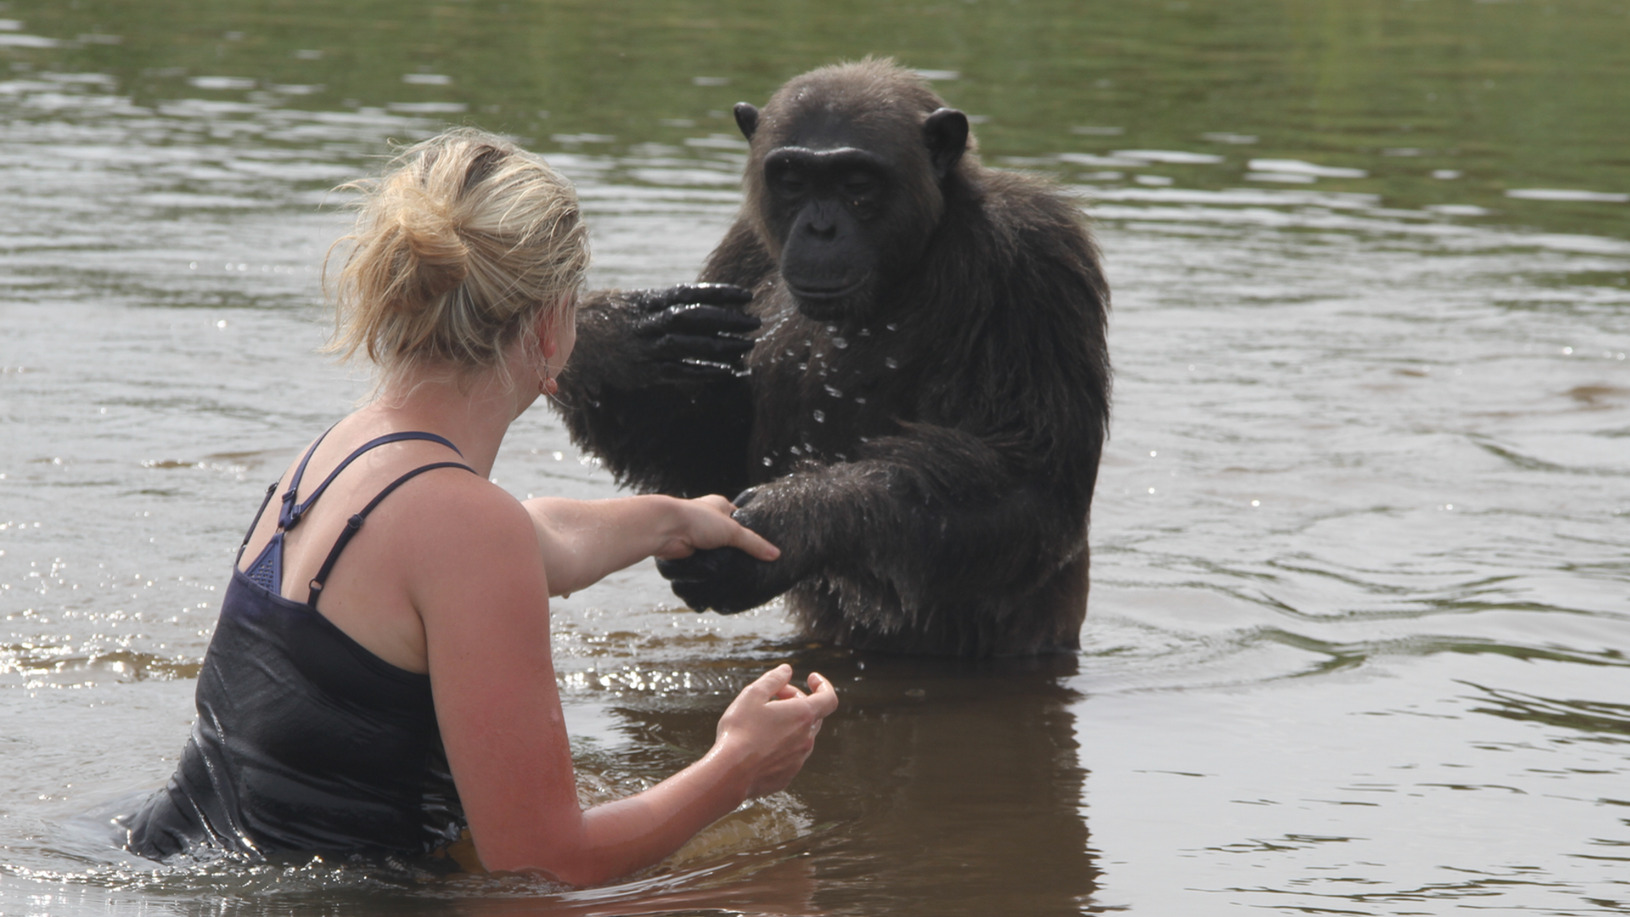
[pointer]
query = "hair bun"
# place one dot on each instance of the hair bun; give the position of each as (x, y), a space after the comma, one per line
(458, 249)
(436, 257)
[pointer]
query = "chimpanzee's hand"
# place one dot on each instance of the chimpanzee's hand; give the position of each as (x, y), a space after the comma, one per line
(729, 580)
(692, 330)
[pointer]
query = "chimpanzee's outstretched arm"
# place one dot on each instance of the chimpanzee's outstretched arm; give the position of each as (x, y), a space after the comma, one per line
(654, 386)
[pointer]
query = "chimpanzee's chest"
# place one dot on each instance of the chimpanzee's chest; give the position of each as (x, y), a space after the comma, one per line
(822, 394)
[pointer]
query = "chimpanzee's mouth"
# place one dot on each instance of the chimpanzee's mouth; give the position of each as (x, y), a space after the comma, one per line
(824, 294)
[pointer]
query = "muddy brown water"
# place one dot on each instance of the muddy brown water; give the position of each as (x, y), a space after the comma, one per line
(1361, 592)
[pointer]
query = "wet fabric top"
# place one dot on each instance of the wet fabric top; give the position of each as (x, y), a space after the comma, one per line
(305, 740)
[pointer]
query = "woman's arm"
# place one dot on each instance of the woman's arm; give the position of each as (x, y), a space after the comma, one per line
(583, 540)
(763, 741)
(483, 598)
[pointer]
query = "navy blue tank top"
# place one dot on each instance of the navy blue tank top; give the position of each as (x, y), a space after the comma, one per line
(305, 741)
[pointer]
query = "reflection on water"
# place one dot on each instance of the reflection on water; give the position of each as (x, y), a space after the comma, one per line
(971, 798)
(944, 788)
(1361, 601)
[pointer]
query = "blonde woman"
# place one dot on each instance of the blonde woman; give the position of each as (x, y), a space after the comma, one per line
(380, 677)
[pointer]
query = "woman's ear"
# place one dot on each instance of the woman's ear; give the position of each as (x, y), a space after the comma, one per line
(545, 330)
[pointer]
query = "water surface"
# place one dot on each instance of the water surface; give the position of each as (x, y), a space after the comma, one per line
(1361, 591)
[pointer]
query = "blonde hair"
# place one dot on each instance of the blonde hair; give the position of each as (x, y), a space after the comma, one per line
(462, 243)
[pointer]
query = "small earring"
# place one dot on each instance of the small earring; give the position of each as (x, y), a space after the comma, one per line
(547, 384)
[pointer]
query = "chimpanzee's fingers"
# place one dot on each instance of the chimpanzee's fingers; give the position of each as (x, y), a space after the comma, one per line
(695, 370)
(676, 347)
(695, 318)
(712, 294)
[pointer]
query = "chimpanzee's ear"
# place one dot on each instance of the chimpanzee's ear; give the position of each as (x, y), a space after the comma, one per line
(746, 119)
(946, 133)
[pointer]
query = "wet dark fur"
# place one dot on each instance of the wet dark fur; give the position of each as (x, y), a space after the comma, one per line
(927, 465)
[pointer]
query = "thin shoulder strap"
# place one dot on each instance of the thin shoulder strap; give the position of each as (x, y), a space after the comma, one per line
(355, 523)
(292, 510)
(285, 516)
(294, 484)
(271, 489)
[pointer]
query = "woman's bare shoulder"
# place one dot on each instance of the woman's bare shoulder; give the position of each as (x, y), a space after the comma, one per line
(474, 573)
(464, 513)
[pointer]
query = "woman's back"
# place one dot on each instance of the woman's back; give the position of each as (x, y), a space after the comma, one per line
(304, 741)
(305, 738)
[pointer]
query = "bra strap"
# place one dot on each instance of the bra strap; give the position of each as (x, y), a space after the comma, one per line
(286, 517)
(293, 511)
(271, 489)
(356, 520)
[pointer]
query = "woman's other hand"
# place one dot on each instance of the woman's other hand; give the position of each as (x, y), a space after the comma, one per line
(772, 725)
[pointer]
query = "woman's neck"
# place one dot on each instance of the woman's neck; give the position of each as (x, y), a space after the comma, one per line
(473, 413)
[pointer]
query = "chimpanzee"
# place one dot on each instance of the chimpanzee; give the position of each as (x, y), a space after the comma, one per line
(895, 361)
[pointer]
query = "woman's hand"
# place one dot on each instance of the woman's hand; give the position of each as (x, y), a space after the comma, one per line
(704, 523)
(581, 541)
(772, 726)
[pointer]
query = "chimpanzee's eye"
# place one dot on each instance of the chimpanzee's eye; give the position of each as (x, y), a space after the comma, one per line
(860, 187)
(789, 182)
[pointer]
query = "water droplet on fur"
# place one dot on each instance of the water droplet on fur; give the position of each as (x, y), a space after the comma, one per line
(834, 391)
(891, 363)
(840, 343)
(766, 461)
(831, 329)
(794, 450)
(892, 326)
(860, 399)
(820, 416)
(865, 332)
